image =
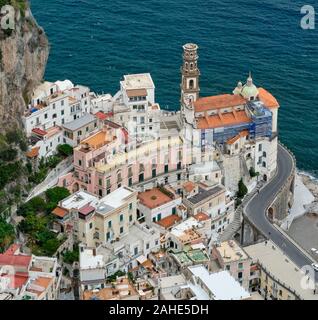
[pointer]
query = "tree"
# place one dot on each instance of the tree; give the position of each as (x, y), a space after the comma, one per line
(71, 256)
(253, 173)
(7, 234)
(242, 191)
(65, 150)
(55, 195)
(35, 205)
(50, 246)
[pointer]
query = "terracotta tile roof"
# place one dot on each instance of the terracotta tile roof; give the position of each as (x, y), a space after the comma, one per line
(17, 280)
(218, 102)
(243, 133)
(136, 93)
(233, 140)
(86, 210)
(153, 198)
(223, 120)
(42, 283)
(33, 153)
(60, 212)
(97, 140)
(189, 186)
(103, 116)
(15, 260)
(267, 98)
(12, 249)
(39, 131)
(201, 216)
(169, 221)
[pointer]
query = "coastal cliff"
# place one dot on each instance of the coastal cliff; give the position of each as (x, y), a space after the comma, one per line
(23, 57)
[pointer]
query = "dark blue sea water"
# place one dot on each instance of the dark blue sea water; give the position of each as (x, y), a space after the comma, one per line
(95, 42)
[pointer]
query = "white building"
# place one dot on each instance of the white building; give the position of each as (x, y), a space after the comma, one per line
(215, 286)
(77, 130)
(54, 104)
(155, 204)
(135, 105)
(46, 141)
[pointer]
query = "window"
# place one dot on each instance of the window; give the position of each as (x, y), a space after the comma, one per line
(136, 251)
(240, 265)
(62, 112)
(240, 275)
(45, 116)
(107, 236)
(130, 206)
(79, 162)
(174, 210)
(130, 182)
(91, 225)
(130, 218)
(260, 147)
(228, 267)
(121, 218)
(109, 224)
(121, 230)
(62, 103)
(147, 246)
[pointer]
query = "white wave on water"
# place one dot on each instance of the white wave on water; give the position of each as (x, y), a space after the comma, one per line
(311, 176)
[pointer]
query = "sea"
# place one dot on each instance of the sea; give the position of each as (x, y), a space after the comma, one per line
(96, 42)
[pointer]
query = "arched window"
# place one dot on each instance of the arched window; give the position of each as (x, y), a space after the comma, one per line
(191, 84)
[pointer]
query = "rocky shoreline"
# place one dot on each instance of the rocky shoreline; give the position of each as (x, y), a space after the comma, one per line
(312, 184)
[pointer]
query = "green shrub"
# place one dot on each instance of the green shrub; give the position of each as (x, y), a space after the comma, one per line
(242, 191)
(65, 150)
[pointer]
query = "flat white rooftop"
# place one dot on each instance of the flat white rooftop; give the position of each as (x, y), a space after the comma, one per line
(221, 284)
(79, 200)
(184, 226)
(89, 261)
(114, 200)
(138, 81)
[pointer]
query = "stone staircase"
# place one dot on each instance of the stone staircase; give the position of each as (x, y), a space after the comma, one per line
(235, 225)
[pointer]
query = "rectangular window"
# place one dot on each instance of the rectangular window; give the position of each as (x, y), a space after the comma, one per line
(109, 224)
(121, 230)
(121, 218)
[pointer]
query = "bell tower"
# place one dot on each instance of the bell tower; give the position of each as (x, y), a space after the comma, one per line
(190, 81)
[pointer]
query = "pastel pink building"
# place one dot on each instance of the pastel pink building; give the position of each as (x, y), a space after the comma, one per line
(107, 160)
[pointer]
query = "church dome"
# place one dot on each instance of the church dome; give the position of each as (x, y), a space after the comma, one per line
(249, 90)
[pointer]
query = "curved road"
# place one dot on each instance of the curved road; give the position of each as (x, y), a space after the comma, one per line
(256, 209)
